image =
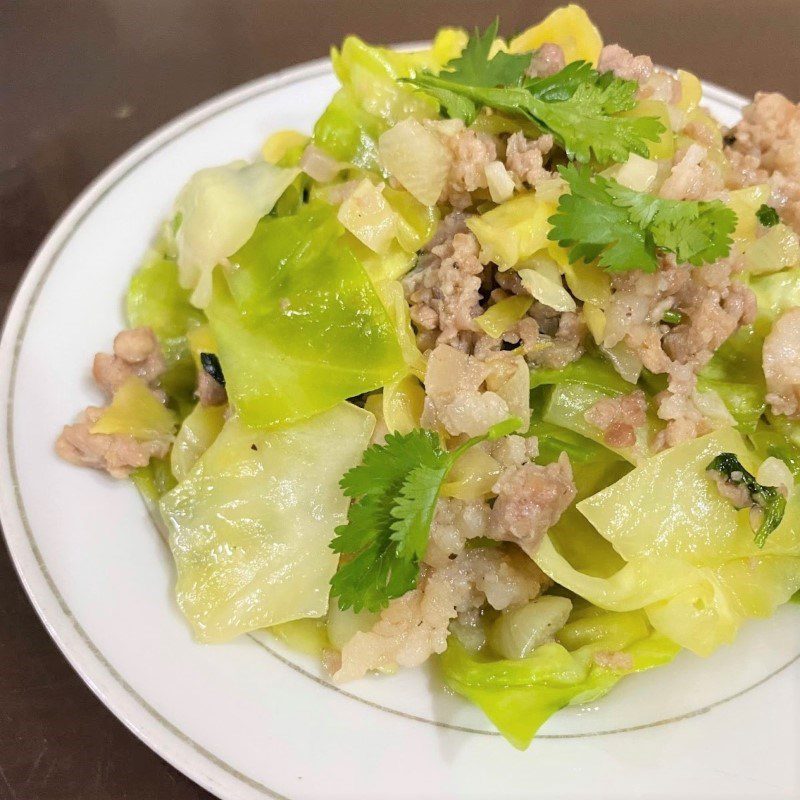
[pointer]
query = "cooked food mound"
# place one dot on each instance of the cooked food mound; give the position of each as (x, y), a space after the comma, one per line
(498, 365)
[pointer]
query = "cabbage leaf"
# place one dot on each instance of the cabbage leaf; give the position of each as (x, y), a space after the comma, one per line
(689, 556)
(372, 99)
(218, 211)
(250, 525)
(518, 696)
(298, 323)
(157, 300)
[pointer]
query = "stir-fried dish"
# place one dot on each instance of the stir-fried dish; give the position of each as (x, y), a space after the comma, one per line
(499, 364)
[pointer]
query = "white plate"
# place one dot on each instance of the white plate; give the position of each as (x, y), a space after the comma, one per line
(249, 719)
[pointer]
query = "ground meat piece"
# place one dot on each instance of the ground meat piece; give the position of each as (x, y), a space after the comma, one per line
(209, 392)
(781, 360)
(736, 493)
(415, 626)
(619, 417)
(624, 64)
(714, 305)
(766, 146)
(514, 451)
(546, 60)
(693, 176)
(525, 158)
(470, 153)
(530, 500)
(676, 405)
(456, 398)
(454, 523)
(117, 454)
(136, 352)
(444, 290)
(563, 346)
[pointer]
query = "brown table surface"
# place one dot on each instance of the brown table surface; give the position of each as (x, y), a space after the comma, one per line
(83, 80)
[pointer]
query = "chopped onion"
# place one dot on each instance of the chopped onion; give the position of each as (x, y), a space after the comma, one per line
(501, 186)
(712, 407)
(344, 625)
(627, 364)
(540, 284)
(774, 472)
(745, 202)
(417, 158)
(516, 391)
(320, 166)
(403, 402)
(551, 189)
(367, 215)
(445, 127)
(517, 633)
(472, 476)
(691, 90)
(777, 249)
(637, 173)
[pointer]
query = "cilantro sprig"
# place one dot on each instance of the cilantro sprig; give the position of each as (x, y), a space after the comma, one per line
(394, 492)
(622, 228)
(771, 502)
(577, 105)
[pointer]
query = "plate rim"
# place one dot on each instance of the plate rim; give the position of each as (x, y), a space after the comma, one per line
(144, 721)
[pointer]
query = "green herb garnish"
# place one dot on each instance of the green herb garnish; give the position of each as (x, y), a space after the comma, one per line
(624, 229)
(577, 105)
(767, 216)
(394, 493)
(672, 316)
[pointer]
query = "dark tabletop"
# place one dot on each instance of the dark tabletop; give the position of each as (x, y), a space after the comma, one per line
(83, 80)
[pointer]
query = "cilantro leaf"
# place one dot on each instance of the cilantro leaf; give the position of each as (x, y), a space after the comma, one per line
(394, 492)
(474, 67)
(624, 229)
(771, 502)
(578, 105)
(767, 216)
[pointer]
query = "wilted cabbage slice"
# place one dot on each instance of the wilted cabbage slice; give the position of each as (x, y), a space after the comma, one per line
(218, 211)
(250, 525)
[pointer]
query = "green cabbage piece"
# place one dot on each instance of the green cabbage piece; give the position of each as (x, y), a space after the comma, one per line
(298, 323)
(196, 435)
(249, 527)
(734, 373)
(593, 651)
(690, 561)
(775, 293)
(154, 480)
(218, 211)
(574, 389)
(156, 300)
(372, 99)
